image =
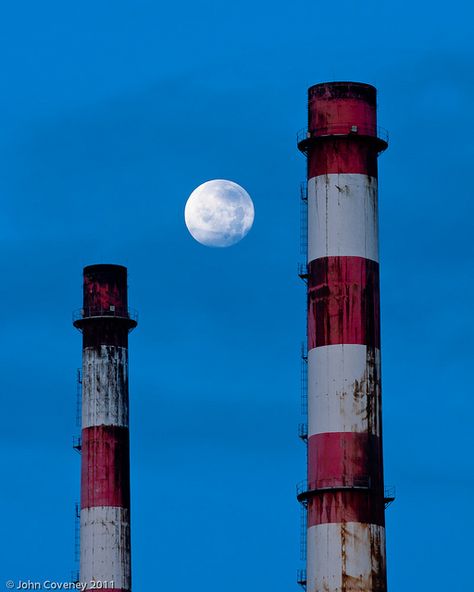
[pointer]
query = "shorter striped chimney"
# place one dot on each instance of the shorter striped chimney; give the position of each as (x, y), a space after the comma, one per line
(105, 322)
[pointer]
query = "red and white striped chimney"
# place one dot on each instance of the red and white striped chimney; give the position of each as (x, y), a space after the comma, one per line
(345, 491)
(105, 322)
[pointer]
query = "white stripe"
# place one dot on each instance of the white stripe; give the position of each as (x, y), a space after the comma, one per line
(105, 546)
(346, 557)
(342, 216)
(344, 389)
(105, 386)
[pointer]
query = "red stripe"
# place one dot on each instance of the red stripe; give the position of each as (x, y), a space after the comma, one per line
(102, 331)
(345, 459)
(342, 155)
(343, 302)
(105, 286)
(346, 506)
(105, 467)
(342, 102)
(351, 462)
(351, 112)
(334, 108)
(105, 292)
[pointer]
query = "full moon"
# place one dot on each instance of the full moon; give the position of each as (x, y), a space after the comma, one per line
(219, 213)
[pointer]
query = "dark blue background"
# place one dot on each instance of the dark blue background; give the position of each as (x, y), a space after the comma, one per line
(111, 114)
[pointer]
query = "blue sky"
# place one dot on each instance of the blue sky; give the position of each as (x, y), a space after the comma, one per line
(111, 114)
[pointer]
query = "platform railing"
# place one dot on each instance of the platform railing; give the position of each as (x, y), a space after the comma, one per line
(343, 129)
(302, 271)
(303, 431)
(111, 311)
(389, 495)
(360, 482)
(77, 443)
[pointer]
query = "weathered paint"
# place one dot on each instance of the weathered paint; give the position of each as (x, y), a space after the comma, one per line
(105, 286)
(105, 546)
(105, 386)
(337, 156)
(340, 104)
(343, 302)
(105, 466)
(105, 318)
(345, 459)
(339, 505)
(105, 474)
(342, 216)
(342, 125)
(344, 389)
(346, 557)
(98, 331)
(345, 500)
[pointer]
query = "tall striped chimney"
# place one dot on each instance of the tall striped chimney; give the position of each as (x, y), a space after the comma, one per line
(344, 494)
(105, 322)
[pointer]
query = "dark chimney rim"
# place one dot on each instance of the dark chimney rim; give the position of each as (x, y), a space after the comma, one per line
(344, 83)
(104, 267)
